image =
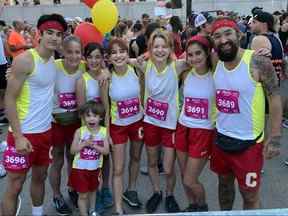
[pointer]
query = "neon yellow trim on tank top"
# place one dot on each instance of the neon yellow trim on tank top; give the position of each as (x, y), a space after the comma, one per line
(23, 100)
(177, 91)
(258, 101)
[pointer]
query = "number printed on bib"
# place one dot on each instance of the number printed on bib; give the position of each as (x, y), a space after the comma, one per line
(157, 109)
(227, 101)
(88, 153)
(67, 100)
(196, 107)
(15, 161)
(128, 108)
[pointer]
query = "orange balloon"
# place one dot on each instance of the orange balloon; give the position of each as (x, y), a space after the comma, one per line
(89, 3)
(88, 33)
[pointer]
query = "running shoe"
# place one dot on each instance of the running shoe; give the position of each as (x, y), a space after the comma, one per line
(131, 198)
(285, 123)
(107, 199)
(154, 201)
(286, 161)
(61, 206)
(171, 205)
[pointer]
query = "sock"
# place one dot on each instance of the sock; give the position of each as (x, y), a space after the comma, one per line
(37, 210)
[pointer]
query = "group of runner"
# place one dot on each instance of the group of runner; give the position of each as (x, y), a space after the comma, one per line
(135, 102)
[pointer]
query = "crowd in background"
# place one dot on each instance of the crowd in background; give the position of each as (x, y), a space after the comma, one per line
(21, 36)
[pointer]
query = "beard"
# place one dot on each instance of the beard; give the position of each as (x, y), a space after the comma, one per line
(227, 55)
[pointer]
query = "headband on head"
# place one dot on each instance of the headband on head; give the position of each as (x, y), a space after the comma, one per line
(51, 25)
(200, 39)
(224, 23)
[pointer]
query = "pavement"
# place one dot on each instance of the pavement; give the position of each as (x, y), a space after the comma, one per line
(274, 190)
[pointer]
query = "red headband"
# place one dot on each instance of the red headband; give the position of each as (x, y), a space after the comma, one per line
(202, 40)
(224, 23)
(51, 25)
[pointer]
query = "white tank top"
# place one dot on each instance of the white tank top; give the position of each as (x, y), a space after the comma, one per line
(240, 101)
(124, 93)
(34, 104)
(92, 89)
(89, 158)
(65, 88)
(161, 96)
(199, 101)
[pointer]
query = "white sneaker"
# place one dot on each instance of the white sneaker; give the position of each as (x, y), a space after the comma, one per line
(285, 123)
(2, 171)
(3, 146)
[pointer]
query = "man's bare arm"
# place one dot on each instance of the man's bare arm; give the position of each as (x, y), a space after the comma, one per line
(264, 72)
(21, 67)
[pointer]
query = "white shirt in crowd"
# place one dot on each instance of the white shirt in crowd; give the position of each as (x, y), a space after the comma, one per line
(2, 53)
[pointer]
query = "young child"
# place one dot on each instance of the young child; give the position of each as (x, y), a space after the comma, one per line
(89, 144)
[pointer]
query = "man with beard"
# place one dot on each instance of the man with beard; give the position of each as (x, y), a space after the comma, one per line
(241, 79)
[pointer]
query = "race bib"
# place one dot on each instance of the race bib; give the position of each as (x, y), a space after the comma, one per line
(128, 108)
(88, 153)
(15, 161)
(67, 100)
(227, 101)
(156, 109)
(196, 108)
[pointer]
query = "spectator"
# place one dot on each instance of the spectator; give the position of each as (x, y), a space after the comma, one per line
(203, 24)
(16, 41)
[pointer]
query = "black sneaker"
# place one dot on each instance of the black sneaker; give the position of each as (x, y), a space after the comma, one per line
(61, 206)
(203, 208)
(191, 208)
(4, 121)
(73, 195)
(154, 201)
(131, 198)
(171, 205)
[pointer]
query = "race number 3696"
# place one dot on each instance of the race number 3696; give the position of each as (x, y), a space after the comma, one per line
(15, 161)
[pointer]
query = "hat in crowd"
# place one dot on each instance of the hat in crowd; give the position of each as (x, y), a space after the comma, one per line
(256, 10)
(265, 17)
(202, 18)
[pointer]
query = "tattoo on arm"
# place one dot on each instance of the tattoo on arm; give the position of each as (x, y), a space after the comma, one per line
(262, 66)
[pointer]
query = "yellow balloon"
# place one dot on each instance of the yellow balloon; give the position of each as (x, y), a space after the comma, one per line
(104, 15)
